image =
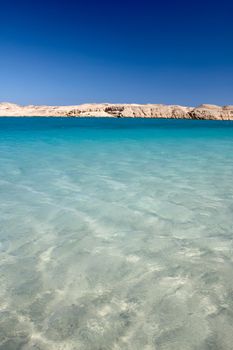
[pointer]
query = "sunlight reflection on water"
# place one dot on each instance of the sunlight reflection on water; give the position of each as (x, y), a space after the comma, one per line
(116, 234)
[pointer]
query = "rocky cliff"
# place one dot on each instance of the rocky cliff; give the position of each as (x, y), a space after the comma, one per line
(204, 111)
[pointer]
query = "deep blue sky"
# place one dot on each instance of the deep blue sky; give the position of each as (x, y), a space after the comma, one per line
(70, 52)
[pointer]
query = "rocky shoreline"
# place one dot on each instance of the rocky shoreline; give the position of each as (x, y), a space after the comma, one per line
(205, 111)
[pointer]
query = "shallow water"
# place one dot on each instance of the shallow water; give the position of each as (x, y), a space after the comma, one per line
(116, 234)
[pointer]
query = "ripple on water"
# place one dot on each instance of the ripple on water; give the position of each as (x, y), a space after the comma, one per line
(116, 238)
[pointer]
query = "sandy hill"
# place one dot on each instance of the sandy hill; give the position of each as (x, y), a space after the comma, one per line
(204, 111)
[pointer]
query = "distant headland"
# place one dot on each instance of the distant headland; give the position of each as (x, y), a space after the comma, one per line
(204, 111)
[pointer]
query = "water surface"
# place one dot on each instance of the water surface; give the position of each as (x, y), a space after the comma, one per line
(116, 234)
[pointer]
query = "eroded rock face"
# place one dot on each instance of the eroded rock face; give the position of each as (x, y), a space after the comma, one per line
(204, 111)
(116, 111)
(212, 112)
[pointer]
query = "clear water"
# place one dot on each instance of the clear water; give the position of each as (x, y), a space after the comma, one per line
(116, 234)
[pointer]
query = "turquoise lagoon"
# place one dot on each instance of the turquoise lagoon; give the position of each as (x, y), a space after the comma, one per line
(116, 234)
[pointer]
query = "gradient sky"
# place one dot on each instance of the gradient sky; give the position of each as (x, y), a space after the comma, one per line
(71, 52)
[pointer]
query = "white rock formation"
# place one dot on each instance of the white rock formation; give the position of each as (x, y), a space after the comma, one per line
(204, 111)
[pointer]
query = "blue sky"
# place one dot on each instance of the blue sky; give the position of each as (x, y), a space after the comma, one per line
(57, 52)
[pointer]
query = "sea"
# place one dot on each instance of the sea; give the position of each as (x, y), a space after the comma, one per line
(116, 234)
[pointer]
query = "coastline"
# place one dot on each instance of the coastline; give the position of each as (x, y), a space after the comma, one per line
(153, 111)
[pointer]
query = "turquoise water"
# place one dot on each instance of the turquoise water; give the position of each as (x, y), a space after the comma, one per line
(116, 234)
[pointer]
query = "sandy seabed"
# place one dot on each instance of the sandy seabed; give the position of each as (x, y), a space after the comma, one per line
(116, 235)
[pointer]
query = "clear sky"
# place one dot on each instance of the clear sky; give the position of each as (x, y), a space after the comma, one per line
(71, 52)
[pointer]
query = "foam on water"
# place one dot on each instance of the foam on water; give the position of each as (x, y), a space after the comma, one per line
(116, 234)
